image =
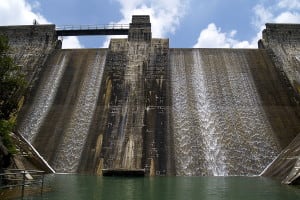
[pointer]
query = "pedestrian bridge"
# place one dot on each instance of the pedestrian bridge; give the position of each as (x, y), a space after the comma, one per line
(107, 29)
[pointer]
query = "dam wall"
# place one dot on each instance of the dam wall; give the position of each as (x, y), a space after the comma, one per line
(140, 105)
(283, 43)
(30, 47)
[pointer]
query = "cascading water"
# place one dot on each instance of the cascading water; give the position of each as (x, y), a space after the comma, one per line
(250, 143)
(45, 95)
(207, 118)
(71, 146)
(219, 124)
(196, 140)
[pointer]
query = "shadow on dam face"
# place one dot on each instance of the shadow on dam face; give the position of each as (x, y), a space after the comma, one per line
(140, 105)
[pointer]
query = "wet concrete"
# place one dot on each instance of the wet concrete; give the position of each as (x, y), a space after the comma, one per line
(130, 126)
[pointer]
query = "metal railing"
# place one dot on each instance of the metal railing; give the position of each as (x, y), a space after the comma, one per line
(92, 27)
(13, 178)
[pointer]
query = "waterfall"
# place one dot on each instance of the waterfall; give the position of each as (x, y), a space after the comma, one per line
(46, 92)
(250, 141)
(220, 127)
(71, 146)
(194, 121)
(204, 112)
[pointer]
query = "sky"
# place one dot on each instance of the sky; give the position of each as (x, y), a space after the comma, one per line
(187, 23)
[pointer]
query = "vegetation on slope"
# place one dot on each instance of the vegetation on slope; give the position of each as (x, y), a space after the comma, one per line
(12, 85)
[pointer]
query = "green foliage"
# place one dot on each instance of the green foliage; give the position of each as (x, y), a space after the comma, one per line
(6, 127)
(12, 82)
(12, 85)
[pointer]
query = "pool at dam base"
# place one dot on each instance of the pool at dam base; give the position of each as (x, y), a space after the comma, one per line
(79, 187)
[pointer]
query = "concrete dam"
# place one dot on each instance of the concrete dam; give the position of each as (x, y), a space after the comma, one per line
(142, 105)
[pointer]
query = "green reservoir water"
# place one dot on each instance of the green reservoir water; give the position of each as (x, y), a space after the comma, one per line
(79, 187)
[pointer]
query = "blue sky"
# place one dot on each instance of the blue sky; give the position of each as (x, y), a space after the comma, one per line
(187, 23)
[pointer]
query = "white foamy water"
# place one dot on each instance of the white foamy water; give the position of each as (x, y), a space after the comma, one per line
(43, 101)
(207, 120)
(220, 127)
(70, 149)
(196, 140)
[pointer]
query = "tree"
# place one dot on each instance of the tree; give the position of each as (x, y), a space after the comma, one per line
(12, 85)
(12, 81)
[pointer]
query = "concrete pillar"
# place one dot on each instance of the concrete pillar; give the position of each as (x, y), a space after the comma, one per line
(140, 28)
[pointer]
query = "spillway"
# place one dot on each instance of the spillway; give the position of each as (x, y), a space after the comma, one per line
(60, 113)
(73, 141)
(45, 96)
(220, 126)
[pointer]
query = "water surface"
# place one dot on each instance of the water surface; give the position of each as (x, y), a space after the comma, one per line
(78, 187)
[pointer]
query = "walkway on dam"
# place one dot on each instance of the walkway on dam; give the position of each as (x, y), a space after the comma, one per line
(110, 29)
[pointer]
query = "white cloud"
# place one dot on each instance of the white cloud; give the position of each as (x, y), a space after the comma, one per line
(20, 12)
(165, 15)
(288, 17)
(71, 42)
(261, 16)
(276, 14)
(289, 4)
(213, 37)
(285, 11)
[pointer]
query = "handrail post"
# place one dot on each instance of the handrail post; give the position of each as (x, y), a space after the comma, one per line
(42, 186)
(23, 184)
